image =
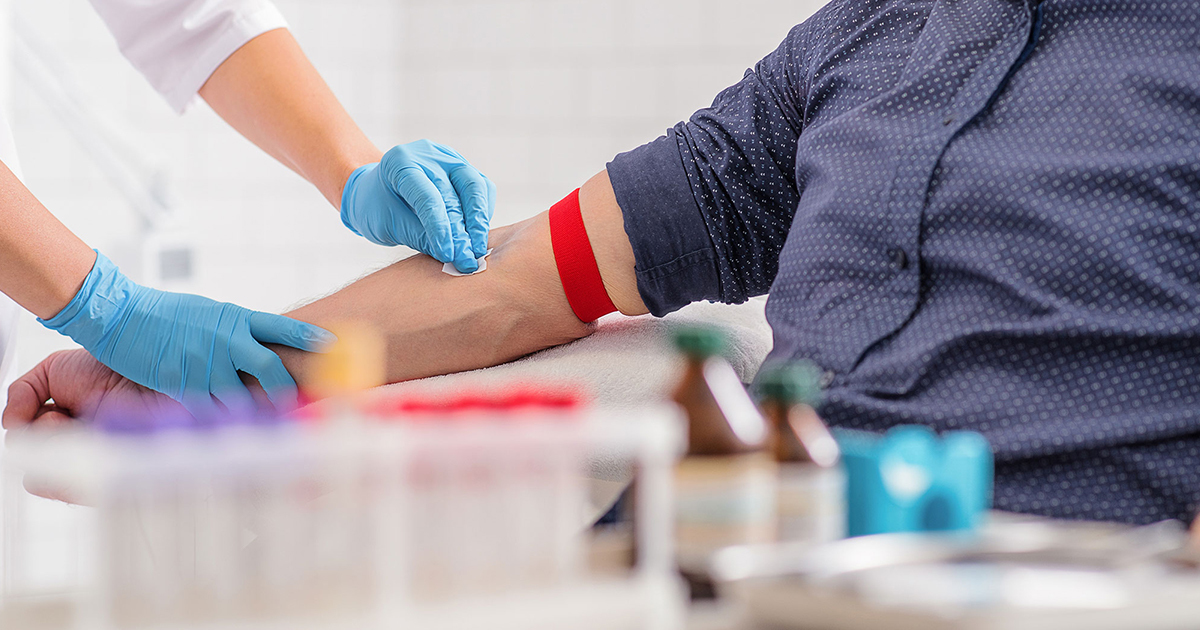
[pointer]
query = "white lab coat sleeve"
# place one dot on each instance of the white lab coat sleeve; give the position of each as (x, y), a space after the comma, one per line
(178, 44)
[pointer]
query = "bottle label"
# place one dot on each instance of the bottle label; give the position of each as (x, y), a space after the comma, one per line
(812, 503)
(723, 501)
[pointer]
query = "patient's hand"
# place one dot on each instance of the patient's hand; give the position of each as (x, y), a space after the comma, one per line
(79, 387)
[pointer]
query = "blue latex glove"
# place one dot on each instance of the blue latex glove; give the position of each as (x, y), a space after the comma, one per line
(425, 196)
(185, 346)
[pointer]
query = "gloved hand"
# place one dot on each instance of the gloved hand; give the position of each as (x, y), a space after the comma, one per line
(425, 196)
(185, 346)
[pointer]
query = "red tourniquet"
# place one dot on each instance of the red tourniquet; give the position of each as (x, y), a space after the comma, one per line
(577, 262)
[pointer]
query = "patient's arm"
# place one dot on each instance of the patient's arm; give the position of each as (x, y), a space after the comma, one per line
(434, 323)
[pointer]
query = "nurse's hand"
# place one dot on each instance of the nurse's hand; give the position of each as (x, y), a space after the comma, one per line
(186, 346)
(425, 196)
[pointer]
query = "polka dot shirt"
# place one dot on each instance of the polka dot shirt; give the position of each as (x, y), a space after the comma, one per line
(982, 214)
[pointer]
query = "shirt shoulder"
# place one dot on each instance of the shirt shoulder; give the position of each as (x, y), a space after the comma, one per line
(840, 20)
(827, 36)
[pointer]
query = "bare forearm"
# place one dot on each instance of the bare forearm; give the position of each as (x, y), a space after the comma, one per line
(270, 93)
(437, 324)
(42, 264)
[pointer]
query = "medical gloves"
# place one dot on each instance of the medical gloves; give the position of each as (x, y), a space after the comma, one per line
(185, 346)
(425, 196)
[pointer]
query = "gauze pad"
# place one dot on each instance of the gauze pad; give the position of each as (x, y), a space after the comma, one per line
(450, 270)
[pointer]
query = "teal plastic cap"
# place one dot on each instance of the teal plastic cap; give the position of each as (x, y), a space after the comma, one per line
(700, 341)
(791, 383)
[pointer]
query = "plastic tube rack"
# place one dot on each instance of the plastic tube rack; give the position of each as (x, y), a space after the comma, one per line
(402, 518)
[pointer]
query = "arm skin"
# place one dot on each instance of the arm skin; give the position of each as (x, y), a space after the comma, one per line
(270, 93)
(42, 264)
(433, 323)
(457, 323)
(515, 308)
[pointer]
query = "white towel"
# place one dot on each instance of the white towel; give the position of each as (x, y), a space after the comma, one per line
(627, 362)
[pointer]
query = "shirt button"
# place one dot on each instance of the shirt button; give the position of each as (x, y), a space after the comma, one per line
(900, 258)
(826, 379)
(949, 121)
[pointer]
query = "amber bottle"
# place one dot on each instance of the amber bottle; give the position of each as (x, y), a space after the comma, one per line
(725, 485)
(811, 492)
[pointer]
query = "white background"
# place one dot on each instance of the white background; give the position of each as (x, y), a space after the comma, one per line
(539, 94)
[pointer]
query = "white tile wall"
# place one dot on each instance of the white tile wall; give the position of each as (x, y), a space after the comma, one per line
(538, 94)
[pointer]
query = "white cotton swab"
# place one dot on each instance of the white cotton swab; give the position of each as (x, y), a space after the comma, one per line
(449, 269)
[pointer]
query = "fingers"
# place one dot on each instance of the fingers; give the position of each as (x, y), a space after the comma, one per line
(195, 391)
(230, 391)
(477, 196)
(452, 201)
(26, 396)
(40, 485)
(427, 203)
(464, 255)
(412, 183)
(285, 331)
(266, 366)
(50, 490)
(491, 211)
(200, 404)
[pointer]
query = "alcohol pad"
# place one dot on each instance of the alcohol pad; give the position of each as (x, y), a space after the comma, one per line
(449, 268)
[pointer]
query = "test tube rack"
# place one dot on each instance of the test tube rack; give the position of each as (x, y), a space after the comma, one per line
(407, 521)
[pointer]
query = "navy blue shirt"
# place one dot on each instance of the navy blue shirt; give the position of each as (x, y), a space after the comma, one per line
(979, 214)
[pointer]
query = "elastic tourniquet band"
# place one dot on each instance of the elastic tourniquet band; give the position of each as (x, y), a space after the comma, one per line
(577, 262)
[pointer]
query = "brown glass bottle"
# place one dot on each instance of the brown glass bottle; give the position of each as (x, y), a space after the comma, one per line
(811, 491)
(725, 485)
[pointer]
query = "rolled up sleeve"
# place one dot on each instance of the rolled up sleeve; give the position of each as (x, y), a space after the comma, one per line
(708, 206)
(178, 44)
(676, 260)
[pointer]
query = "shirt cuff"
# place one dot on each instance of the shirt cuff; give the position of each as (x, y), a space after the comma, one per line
(674, 253)
(238, 33)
